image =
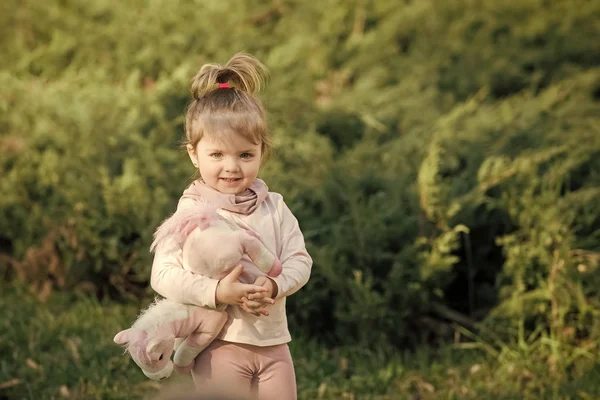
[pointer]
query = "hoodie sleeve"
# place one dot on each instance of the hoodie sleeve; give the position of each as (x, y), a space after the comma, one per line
(296, 261)
(171, 280)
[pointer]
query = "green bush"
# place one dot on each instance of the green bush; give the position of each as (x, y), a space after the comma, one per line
(439, 156)
(85, 177)
(522, 174)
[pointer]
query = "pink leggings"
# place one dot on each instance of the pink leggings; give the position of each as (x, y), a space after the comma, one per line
(264, 372)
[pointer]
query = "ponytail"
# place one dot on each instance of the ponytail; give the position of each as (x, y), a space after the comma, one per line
(244, 72)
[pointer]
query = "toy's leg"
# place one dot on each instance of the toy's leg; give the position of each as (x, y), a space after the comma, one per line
(193, 345)
(184, 357)
(178, 341)
(188, 351)
(260, 255)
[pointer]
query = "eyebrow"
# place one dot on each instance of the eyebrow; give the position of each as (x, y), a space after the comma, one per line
(221, 151)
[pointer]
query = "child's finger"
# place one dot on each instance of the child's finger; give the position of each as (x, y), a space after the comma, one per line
(254, 289)
(250, 304)
(262, 309)
(253, 305)
(245, 308)
(262, 297)
(255, 296)
(266, 300)
(234, 274)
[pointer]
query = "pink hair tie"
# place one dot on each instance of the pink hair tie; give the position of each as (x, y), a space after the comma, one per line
(224, 85)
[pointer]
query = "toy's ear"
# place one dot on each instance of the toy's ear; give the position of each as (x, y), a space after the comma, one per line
(124, 337)
(129, 336)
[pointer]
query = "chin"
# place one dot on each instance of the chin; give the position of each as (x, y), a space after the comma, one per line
(232, 189)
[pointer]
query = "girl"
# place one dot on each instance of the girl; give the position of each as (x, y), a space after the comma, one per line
(227, 141)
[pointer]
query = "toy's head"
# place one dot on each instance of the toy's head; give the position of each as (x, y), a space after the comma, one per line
(177, 227)
(152, 355)
(212, 246)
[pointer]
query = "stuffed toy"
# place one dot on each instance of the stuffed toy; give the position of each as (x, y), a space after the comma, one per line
(211, 246)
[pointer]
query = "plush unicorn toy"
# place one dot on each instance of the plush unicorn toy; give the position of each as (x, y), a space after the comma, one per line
(211, 247)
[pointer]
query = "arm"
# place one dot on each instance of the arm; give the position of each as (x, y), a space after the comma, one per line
(297, 263)
(171, 280)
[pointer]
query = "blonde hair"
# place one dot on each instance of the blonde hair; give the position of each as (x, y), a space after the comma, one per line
(222, 111)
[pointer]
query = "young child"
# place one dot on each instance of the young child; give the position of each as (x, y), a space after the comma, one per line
(227, 140)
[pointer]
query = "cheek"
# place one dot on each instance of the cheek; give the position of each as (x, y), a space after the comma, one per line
(208, 168)
(253, 166)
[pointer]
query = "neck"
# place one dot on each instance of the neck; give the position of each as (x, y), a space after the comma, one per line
(242, 203)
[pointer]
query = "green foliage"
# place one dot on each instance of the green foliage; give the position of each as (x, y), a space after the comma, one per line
(358, 247)
(435, 153)
(91, 182)
(66, 344)
(528, 169)
(63, 349)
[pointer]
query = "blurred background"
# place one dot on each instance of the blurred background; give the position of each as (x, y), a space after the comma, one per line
(442, 157)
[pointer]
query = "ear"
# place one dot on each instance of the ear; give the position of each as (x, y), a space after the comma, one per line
(125, 336)
(192, 153)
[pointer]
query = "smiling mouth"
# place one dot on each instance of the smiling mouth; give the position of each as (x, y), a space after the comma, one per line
(230, 180)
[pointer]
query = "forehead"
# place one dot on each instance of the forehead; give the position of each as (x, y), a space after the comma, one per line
(226, 142)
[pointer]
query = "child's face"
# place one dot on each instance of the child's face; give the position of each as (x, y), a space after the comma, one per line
(229, 166)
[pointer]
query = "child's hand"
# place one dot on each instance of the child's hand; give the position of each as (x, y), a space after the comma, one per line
(230, 291)
(256, 303)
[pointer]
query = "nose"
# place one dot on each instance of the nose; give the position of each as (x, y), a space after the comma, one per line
(232, 165)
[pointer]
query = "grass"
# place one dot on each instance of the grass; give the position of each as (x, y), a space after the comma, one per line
(63, 349)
